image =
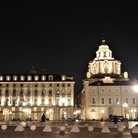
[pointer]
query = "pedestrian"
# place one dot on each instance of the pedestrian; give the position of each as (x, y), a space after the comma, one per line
(43, 118)
(115, 121)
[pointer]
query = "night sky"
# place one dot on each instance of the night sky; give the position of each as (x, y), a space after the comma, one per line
(62, 37)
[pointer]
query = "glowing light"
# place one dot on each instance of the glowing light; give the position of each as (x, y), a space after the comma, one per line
(38, 101)
(125, 105)
(27, 110)
(135, 88)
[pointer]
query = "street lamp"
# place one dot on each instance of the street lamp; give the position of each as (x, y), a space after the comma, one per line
(125, 105)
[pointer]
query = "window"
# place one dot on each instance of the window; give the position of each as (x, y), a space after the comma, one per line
(50, 85)
(102, 100)
(22, 78)
(14, 92)
(43, 77)
(50, 101)
(57, 85)
(127, 100)
(21, 85)
(1, 78)
(133, 101)
(43, 93)
(50, 92)
(8, 78)
(117, 101)
(57, 92)
(7, 92)
(36, 78)
(28, 94)
(63, 77)
(35, 93)
(93, 101)
(15, 78)
(50, 78)
(29, 78)
(109, 100)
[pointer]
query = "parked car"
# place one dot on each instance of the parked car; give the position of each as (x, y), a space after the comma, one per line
(70, 119)
(119, 118)
(16, 119)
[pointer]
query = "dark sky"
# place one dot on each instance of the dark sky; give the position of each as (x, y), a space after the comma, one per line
(62, 37)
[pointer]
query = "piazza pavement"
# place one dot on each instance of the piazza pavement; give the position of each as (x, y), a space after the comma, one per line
(56, 133)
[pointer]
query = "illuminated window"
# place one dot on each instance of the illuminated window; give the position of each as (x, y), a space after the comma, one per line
(1, 78)
(63, 77)
(36, 78)
(8, 78)
(43, 77)
(22, 78)
(29, 78)
(15, 78)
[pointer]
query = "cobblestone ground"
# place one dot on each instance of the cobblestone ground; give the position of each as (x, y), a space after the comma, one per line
(84, 133)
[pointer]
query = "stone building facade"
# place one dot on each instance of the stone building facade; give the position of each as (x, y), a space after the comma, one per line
(106, 90)
(28, 96)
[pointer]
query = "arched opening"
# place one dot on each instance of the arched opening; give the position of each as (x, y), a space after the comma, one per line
(26, 114)
(49, 114)
(63, 114)
(6, 113)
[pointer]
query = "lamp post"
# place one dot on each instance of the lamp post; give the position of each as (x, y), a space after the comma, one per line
(125, 105)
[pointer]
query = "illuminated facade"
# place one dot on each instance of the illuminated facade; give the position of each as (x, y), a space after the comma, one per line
(106, 90)
(28, 96)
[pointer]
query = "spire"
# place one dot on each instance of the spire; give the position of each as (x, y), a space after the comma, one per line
(103, 41)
